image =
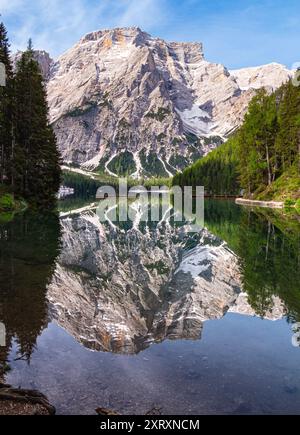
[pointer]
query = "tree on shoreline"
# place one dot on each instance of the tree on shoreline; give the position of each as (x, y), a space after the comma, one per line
(29, 156)
(6, 108)
(264, 149)
(37, 170)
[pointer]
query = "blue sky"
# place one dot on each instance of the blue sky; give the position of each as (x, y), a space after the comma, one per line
(237, 33)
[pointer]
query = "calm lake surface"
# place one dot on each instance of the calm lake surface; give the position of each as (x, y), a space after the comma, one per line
(135, 317)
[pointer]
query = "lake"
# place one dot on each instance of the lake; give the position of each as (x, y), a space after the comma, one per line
(139, 317)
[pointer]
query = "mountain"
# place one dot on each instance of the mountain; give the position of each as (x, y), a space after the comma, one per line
(270, 76)
(120, 289)
(126, 103)
(261, 161)
(42, 57)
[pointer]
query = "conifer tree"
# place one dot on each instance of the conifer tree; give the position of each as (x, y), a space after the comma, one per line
(6, 108)
(266, 146)
(36, 161)
(288, 140)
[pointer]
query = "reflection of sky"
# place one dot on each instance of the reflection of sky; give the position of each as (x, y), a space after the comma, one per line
(240, 364)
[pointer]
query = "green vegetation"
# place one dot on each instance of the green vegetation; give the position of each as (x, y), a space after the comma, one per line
(218, 172)
(152, 165)
(79, 111)
(159, 266)
(269, 144)
(192, 138)
(74, 202)
(160, 115)
(262, 158)
(9, 204)
(6, 108)
(29, 158)
(101, 167)
(213, 140)
(6, 217)
(30, 245)
(177, 141)
(264, 251)
(267, 244)
(161, 137)
(90, 105)
(178, 161)
(194, 152)
(123, 164)
(86, 186)
(287, 186)
(156, 182)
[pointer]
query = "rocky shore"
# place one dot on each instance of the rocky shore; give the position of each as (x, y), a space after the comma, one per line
(23, 402)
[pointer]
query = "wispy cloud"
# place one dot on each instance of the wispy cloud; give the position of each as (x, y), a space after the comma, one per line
(144, 13)
(55, 25)
(234, 32)
(9, 6)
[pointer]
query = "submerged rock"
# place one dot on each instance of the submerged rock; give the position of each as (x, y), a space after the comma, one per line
(23, 402)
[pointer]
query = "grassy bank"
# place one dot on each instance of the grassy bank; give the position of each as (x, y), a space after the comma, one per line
(9, 205)
(261, 160)
(285, 188)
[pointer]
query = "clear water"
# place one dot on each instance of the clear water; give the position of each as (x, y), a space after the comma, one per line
(102, 316)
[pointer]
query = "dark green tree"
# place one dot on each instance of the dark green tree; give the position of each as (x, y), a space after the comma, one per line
(266, 147)
(36, 159)
(288, 139)
(217, 172)
(6, 109)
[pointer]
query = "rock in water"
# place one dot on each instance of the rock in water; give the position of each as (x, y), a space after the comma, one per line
(104, 411)
(23, 402)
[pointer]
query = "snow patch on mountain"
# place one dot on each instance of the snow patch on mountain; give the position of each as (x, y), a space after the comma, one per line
(196, 121)
(121, 90)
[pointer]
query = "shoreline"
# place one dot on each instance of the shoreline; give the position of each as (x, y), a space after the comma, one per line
(257, 203)
(15, 401)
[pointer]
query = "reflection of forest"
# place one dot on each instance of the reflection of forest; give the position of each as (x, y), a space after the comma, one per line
(268, 246)
(29, 246)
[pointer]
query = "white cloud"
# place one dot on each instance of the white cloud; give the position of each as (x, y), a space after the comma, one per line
(142, 13)
(10, 5)
(55, 25)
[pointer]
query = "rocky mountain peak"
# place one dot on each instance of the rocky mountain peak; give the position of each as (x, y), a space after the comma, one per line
(187, 52)
(124, 102)
(117, 36)
(271, 75)
(125, 302)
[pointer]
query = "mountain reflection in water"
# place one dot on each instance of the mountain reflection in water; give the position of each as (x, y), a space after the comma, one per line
(120, 288)
(29, 248)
